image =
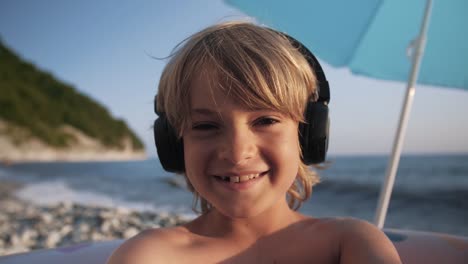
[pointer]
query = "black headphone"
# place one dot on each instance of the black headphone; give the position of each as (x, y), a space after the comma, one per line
(313, 134)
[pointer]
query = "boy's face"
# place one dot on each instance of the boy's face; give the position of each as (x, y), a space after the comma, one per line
(241, 161)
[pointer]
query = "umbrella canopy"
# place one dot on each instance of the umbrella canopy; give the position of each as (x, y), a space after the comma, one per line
(384, 39)
(372, 37)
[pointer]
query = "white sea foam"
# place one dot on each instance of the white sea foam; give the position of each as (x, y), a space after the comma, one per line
(54, 192)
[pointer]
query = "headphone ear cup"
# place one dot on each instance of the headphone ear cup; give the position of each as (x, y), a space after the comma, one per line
(313, 134)
(170, 148)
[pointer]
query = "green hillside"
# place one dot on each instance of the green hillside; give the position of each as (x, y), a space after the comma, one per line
(35, 100)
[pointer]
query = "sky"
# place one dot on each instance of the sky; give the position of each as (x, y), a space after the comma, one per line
(106, 50)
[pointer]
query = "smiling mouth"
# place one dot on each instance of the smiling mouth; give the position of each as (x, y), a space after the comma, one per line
(239, 179)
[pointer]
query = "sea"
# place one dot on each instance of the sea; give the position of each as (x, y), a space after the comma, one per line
(430, 193)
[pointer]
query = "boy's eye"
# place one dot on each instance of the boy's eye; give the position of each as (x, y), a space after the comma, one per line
(203, 126)
(266, 121)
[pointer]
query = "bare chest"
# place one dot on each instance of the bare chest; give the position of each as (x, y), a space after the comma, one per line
(278, 252)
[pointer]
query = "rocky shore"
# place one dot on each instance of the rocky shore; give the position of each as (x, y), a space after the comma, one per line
(25, 226)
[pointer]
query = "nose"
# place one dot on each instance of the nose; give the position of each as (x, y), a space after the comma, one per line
(238, 146)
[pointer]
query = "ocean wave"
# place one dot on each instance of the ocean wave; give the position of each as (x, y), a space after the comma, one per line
(55, 192)
(454, 197)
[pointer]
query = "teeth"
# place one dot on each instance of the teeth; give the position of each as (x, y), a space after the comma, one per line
(242, 178)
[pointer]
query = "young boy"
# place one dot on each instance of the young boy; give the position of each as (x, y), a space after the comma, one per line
(236, 94)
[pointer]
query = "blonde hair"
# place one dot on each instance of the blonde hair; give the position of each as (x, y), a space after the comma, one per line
(254, 65)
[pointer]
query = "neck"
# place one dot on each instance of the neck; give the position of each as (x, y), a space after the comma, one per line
(216, 224)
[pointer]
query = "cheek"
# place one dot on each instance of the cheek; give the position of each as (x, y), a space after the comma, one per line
(292, 161)
(285, 154)
(196, 156)
(289, 143)
(291, 158)
(193, 149)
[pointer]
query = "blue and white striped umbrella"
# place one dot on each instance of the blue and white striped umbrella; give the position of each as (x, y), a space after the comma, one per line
(402, 40)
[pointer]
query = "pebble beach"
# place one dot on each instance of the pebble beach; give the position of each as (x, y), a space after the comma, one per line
(25, 226)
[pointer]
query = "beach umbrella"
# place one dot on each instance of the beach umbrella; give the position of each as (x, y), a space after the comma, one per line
(418, 40)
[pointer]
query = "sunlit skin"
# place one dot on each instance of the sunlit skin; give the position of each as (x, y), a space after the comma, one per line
(250, 222)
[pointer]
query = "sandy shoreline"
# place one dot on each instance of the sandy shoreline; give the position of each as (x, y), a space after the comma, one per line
(25, 226)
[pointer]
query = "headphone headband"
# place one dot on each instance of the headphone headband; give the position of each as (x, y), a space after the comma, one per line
(324, 88)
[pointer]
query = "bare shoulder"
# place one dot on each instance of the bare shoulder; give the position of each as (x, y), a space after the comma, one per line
(150, 246)
(362, 242)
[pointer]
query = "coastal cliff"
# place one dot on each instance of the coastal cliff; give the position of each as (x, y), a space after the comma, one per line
(45, 119)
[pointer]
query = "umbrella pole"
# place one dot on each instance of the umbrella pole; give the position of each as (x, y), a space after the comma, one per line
(394, 160)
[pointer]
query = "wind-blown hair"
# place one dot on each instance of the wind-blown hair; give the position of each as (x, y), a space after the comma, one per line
(255, 66)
